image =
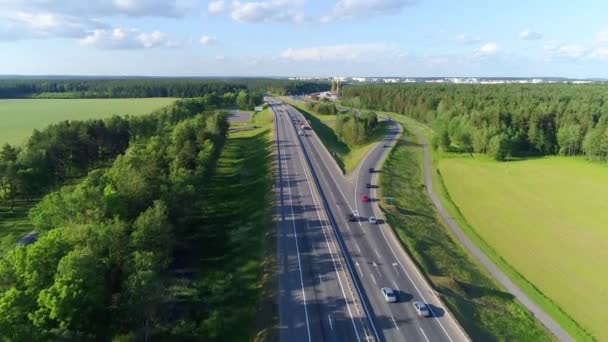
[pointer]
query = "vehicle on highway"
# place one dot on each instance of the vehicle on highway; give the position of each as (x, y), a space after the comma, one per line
(421, 309)
(300, 133)
(364, 198)
(389, 295)
(351, 217)
(373, 220)
(385, 145)
(368, 186)
(371, 170)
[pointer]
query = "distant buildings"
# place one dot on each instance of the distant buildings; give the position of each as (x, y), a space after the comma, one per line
(450, 80)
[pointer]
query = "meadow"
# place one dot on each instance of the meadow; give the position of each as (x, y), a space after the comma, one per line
(19, 117)
(547, 218)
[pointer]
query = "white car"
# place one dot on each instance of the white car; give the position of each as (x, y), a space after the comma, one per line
(421, 309)
(373, 220)
(389, 295)
(300, 133)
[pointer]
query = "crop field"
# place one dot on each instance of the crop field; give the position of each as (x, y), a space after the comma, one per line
(18, 118)
(548, 219)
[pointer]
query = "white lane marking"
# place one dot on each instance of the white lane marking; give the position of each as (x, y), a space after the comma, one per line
(423, 334)
(395, 285)
(320, 279)
(396, 269)
(331, 325)
(395, 323)
(377, 269)
(359, 267)
(374, 279)
(357, 245)
(378, 254)
(293, 222)
(317, 206)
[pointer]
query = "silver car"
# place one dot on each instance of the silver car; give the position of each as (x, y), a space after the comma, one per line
(421, 309)
(389, 295)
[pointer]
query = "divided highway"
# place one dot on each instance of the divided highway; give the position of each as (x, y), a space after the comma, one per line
(354, 259)
(317, 298)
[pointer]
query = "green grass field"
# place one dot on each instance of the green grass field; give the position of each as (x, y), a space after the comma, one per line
(18, 118)
(548, 218)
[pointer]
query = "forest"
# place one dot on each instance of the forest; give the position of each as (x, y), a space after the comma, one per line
(150, 87)
(502, 121)
(125, 221)
(355, 129)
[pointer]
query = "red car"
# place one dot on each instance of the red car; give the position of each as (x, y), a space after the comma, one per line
(364, 198)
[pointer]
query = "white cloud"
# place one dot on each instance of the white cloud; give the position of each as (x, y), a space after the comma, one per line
(527, 34)
(467, 39)
(348, 9)
(343, 52)
(101, 8)
(208, 40)
(216, 7)
(487, 49)
(23, 25)
(600, 53)
(601, 38)
(564, 51)
(267, 11)
(123, 38)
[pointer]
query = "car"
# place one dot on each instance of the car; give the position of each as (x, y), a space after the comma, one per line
(364, 198)
(385, 145)
(351, 217)
(373, 220)
(421, 309)
(369, 186)
(389, 295)
(371, 170)
(300, 133)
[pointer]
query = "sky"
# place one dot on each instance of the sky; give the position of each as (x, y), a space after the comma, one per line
(310, 38)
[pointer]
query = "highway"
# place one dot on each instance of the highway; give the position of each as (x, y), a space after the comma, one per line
(317, 301)
(372, 256)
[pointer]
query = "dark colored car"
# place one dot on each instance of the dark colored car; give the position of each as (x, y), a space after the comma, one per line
(369, 186)
(371, 170)
(351, 218)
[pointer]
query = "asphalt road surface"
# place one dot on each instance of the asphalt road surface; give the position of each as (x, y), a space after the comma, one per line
(317, 300)
(369, 256)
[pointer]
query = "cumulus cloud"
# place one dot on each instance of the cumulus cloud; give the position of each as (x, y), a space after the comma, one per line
(216, 7)
(136, 8)
(126, 38)
(527, 34)
(600, 53)
(487, 49)
(22, 25)
(266, 11)
(564, 51)
(348, 9)
(343, 52)
(467, 39)
(208, 40)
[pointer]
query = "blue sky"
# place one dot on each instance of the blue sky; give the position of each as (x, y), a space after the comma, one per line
(304, 37)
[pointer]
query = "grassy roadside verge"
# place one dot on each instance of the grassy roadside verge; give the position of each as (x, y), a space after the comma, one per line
(241, 202)
(14, 224)
(347, 157)
(481, 306)
(549, 306)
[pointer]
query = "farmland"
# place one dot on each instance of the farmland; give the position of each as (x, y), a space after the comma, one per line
(545, 217)
(18, 118)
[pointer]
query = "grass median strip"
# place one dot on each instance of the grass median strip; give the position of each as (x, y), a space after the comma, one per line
(481, 306)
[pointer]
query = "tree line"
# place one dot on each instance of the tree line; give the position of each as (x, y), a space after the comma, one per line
(501, 120)
(149, 87)
(116, 248)
(355, 129)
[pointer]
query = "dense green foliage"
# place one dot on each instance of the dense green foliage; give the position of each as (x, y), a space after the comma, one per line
(149, 87)
(111, 243)
(501, 120)
(355, 129)
(323, 108)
